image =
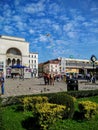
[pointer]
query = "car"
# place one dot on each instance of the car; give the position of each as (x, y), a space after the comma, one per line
(80, 76)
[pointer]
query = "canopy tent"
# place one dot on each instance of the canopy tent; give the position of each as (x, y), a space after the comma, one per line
(17, 66)
(21, 71)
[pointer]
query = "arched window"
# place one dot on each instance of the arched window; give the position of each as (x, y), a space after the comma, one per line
(13, 51)
(13, 56)
(8, 61)
(13, 62)
(18, 61)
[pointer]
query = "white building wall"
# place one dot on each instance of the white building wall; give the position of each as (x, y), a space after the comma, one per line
(33, 63)
(54, 68)
(20, 45)
(51, 68)
(7, 42)
(63, 65)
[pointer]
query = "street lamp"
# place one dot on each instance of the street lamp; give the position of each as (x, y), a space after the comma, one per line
(93, 59)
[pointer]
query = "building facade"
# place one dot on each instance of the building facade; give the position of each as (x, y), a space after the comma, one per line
(51, 66)
(13, 51)
(33, 64)
(82, 66)
(68, 65)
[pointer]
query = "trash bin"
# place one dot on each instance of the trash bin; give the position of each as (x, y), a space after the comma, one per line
(72, 84)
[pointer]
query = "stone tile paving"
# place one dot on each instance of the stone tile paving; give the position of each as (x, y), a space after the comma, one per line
(18, 87)
(30, 86)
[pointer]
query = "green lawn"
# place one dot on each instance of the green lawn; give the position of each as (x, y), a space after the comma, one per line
(12, 120)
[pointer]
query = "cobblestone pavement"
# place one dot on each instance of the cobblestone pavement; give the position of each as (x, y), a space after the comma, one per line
(16, 87)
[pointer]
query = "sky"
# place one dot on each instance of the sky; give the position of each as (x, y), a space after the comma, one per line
(53, 28)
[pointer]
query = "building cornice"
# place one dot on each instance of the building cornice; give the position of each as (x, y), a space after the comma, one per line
(12, 38)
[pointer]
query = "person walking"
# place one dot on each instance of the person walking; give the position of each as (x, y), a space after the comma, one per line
(2, 83)
(52, 79)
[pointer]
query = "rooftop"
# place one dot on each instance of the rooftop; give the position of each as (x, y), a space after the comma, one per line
(12, 38)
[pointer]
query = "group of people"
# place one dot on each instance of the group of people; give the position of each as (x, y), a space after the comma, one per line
(2, 83)
(91, 77)
(49, 79)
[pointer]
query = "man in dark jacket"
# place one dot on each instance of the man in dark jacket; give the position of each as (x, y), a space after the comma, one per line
(2, 83)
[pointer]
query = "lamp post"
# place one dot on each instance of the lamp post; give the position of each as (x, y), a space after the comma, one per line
(93, 59)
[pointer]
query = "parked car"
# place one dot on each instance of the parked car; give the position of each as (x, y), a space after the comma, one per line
(72, 84)
(80, 76)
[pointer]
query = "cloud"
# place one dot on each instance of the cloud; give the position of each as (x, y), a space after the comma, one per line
(8, 29)
(34, 8)
(1, 19)
(72, 26)
(94, 9)
(79, 18)
(56, 27)
(87, 24)
(71, 34)
(31, 31)
(17, 18)
(68, 27)
(42, 38)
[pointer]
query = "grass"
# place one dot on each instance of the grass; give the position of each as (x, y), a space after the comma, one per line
(75, 125)
(12, 119)
(72, 124)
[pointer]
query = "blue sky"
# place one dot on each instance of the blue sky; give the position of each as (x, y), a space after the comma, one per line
(54, 28)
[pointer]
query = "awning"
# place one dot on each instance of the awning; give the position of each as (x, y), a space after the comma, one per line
(17, 66)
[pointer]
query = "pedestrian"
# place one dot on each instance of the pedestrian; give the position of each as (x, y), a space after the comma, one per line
(2, 83)
(93, 79)
(52, 79)
(45, 79)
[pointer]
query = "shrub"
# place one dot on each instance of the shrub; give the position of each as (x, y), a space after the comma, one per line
(83, 93)
(47, 113)
(10, 101)
(30, 102)
(64, 99)
(88, 109)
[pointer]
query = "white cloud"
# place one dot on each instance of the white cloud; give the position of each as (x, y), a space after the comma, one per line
(34, 8)
(16, 2)
(94, 9)
(80, 18)
(8, 29)
(31, 31)
(1, 19)
(56, 27)
(21, 26)
(62, 42)
(64, 18)
(17, 18)
(49, 47)
(68, 27)
(71, 34)
(42, 38)
(95, 21)
(87, 24)
(54, 8)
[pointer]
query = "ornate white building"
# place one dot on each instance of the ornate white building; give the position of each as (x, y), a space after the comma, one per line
(14, 51)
